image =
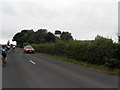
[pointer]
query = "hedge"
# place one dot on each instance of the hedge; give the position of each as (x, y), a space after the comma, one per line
(101, 51)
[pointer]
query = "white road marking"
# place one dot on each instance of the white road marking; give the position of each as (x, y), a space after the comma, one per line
(32, 62)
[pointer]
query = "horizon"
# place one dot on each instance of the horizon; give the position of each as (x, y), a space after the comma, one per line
(14, 42)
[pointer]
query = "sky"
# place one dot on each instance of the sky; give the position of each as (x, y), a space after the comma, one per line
(84, 19)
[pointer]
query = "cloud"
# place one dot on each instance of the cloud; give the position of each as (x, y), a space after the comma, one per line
(83, 19)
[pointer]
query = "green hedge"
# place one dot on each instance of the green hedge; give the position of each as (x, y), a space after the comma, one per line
(101, 51)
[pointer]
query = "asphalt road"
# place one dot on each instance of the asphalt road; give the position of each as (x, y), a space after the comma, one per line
(36, 71)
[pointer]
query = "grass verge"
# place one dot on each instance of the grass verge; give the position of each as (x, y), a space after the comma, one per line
(100, 68)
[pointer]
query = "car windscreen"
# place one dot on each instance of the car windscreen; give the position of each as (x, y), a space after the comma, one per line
(28, 47)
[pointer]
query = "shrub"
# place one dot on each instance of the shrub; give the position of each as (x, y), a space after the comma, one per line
(113, 63)
(101, 51)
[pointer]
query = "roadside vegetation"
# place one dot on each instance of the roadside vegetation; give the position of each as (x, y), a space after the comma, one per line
(101, 53)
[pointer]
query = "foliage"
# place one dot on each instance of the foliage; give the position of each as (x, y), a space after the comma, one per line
(50, 37)
(66, 36)
(101, 51)
(38, 37)
(113, 63)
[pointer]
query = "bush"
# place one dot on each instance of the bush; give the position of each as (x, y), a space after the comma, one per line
(101, 51)
(103, 48)
(113, 63)
(59, 48)
(116, 51)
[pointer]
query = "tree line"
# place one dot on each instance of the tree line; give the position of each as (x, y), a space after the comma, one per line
(40, 36)
(100, 51)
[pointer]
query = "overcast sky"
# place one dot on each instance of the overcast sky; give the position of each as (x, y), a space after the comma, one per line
(85, 19)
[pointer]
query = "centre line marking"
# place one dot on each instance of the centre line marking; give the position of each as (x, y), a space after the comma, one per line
(32, 62)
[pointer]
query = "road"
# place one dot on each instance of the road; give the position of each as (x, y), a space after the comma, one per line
(36, 71)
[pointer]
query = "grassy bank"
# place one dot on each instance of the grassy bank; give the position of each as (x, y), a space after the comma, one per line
(99, 68)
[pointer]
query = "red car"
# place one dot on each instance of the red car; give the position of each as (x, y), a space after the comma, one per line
(28, 49)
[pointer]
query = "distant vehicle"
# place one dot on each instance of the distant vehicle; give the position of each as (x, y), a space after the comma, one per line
(28, 49)
(14, 46)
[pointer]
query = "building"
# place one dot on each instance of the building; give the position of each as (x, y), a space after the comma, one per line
(57, 33)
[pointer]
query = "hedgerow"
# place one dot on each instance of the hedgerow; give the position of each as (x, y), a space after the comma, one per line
(100, 51)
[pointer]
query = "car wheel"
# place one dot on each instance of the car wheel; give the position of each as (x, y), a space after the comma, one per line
(24, 51)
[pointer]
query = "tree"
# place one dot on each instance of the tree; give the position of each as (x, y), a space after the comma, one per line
(23, 37)
(29, 36)
(50, 37)
(17, 38)
(40, 36)
(66, 36)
